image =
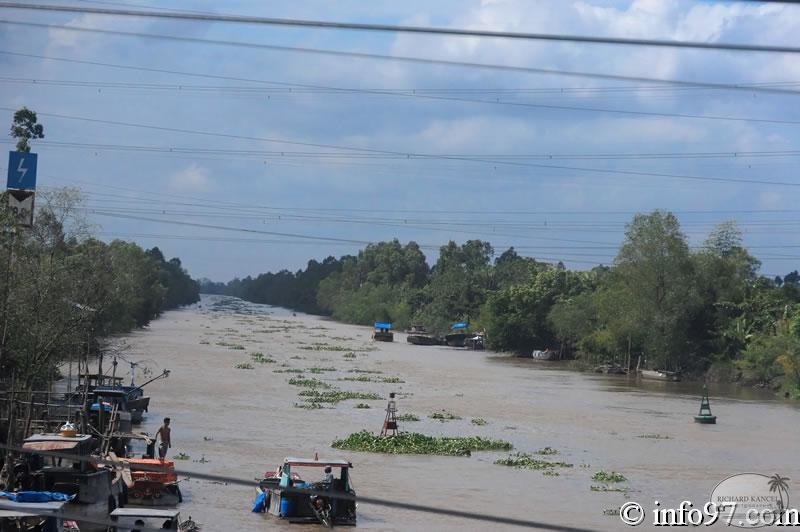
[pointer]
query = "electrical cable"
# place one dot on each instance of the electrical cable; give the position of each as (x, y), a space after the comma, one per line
(392, 28)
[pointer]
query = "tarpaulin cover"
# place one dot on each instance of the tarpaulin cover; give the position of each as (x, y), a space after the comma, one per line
(379, 325)
(36, 496)
(458, 326)
(260, 504)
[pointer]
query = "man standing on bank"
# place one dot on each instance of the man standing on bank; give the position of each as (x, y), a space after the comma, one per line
(166, 442)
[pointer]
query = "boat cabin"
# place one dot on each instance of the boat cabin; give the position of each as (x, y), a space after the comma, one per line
(32, 516)
(383, 332)
(132, 519)
(282, 499)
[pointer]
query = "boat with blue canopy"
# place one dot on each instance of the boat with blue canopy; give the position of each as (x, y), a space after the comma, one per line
(383, 332)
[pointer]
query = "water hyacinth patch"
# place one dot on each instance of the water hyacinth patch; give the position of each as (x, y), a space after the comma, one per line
(244, 365)
(308, 383)
(415, 443)
(407, 417)
(526, 461)
(336, 396)
(444, 415)
(606, 476)
(479, 421)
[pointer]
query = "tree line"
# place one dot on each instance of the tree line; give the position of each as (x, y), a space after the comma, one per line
(660, 304)
(61, 289)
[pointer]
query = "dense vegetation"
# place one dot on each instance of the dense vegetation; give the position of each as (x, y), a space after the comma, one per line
(660, 304)
(61, 289)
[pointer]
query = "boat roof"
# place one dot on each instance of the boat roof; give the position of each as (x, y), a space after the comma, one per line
(310, 462)
(110, 391)
(458, 326)
(145, 512)
(54, 436)
(12, 509)
(380, 325)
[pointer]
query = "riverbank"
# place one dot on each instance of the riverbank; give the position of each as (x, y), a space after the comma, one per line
(242, 422)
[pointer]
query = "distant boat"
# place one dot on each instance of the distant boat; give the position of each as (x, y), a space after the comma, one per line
(383, 332)
(547, 354)
(660, 375)
(475, 342)
(418, 335)
(458, 336)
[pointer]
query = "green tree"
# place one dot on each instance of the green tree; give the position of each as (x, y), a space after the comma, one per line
(654, 280)
(25, 127)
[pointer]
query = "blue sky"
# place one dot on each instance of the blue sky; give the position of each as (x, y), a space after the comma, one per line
(264, 186)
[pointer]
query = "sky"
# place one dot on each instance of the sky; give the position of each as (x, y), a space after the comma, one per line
(246, 159)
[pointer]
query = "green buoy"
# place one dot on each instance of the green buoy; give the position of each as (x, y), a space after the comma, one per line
(705, 417)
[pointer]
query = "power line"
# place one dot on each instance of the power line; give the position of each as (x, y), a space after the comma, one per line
(364, 55)
(371, 156)
(410, 155)
(413, 94)
(442, 31)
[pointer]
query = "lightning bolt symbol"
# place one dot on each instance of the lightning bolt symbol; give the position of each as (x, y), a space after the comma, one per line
(22, 171)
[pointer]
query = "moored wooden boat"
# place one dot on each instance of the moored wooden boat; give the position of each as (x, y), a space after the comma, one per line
(458, 335)
(383, 332)
(660, 375)
(547, 354)
(418, 335)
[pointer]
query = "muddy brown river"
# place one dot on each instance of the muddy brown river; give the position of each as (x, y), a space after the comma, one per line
(242, 422)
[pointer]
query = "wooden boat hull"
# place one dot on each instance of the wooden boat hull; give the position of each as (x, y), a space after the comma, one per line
(456, 339)
(383, 337)
(421, 339)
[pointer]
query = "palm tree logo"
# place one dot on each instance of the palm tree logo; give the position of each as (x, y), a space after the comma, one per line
(778, 484)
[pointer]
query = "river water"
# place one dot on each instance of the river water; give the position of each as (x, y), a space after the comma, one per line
(243, 422)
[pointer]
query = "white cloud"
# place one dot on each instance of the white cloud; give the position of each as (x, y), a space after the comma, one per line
(192, 179)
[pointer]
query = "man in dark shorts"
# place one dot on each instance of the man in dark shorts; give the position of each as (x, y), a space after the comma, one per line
(166, 442)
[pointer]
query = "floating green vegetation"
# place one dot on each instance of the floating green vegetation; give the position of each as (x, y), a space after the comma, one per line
(360, 378)
(342, 338)
(244, 365)
(324, 347)
(606, 476)
(317, 371)
(202, 460)
(444, 415)
(407, 417)
(288, 370)
(204, 342)
(335, 396)
(654, 437)
(297, 357)
(261, 358)
(362, 405)
(308, 406)
(391, 380)
(547, 451)
(550, 473)
(357, 370)
(181, 456)
(308, 383)
(526, 461)
(479, 421)
(415, 443)
(349, 355)
(236, 347)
